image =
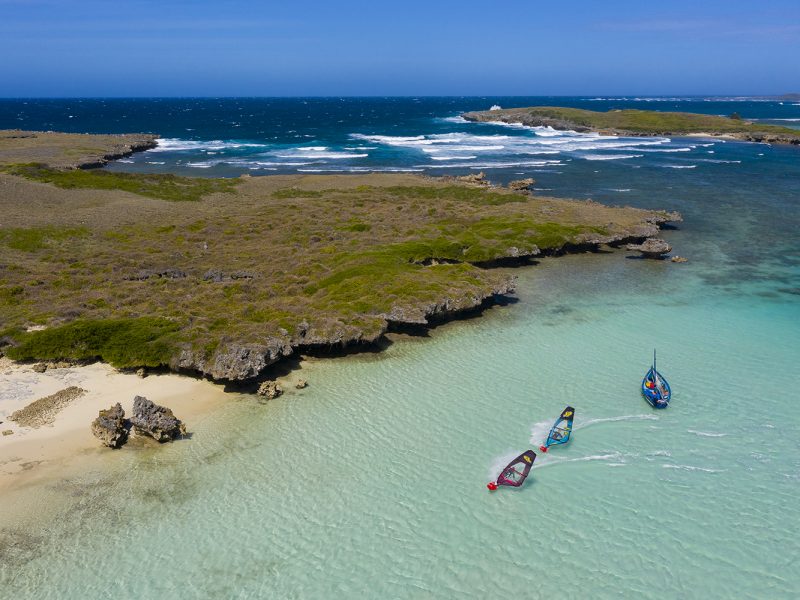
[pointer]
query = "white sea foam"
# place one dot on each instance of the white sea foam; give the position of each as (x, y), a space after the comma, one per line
(679, 166)
(317, 153)
(581, 424)
(496, 165)
(453, 157)
(611, 156)
(692, 468)
(620, 189)
(124, 160)
(362, 170)
(179, 145)
(706, 433)
(719, 161)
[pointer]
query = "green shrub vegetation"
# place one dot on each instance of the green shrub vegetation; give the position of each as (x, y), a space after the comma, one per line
(121, 342)
(30, 239)
(162, 186)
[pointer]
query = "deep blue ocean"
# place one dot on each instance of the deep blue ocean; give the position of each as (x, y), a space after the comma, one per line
(371, 482)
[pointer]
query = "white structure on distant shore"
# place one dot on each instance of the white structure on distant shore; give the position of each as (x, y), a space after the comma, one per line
(496, 107)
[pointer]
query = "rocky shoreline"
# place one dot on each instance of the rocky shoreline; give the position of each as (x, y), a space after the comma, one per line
(243, 362)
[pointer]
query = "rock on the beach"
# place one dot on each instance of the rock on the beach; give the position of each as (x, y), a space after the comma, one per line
(110, 427)
(156, 421)
(651, 248)
(8, 432)
(141, 372)
(270, 390)
(39, 368)
(301, 383)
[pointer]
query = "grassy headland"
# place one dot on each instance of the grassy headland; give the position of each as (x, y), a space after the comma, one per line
(638, 123)
(254, 268)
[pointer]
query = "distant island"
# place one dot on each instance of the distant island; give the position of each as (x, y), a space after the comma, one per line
(224, 277)
(639, 123)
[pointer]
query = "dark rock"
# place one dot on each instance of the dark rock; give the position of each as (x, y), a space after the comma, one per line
(242, 275)
(651, 248)
(235, 362)
(145, 274)
(8, 432)
(270, 390)
(679, 259)
(213, 275)
(142, 372)
(110, 427)
(156, 421)
(301, 383)
(40, 367)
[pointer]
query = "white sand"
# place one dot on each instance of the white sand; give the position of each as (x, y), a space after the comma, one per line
(29, 450)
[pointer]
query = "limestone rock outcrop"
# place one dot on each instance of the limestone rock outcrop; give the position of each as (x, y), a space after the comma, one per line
(270, 390)
(651, 248)
(156, 421)
(521, 185)
(110, 427)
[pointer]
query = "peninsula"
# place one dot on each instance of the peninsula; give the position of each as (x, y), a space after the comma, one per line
(639, 123)
(224, 277)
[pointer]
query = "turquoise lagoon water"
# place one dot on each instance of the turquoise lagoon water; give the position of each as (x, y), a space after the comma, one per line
(370, 483)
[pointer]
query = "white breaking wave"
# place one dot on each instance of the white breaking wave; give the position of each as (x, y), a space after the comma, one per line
(611, 156)
(178, 145)
(679, 166)
(620, 189)
(362, 170)
(453, 157)
(322, 155)
(496, 165)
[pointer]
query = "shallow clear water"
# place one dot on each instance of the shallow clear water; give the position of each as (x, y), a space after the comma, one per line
(371, 482)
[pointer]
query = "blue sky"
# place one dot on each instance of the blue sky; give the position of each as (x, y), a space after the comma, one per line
(348, 47)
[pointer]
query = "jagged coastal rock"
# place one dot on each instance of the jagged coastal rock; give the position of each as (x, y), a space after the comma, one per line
(110, 427)
(651, 248)
(270, 390)
(522, 185)
(156, 421)
(301, 384)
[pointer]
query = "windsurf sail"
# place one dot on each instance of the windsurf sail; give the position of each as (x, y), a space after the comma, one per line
(516, 471)
(561, 430)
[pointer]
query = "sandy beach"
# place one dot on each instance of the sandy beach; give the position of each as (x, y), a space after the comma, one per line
(30, 453)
